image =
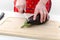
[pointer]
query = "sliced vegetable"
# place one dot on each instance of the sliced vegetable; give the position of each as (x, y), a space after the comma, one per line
(33, 22)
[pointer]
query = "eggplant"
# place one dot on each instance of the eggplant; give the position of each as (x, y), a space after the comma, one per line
(37, 21)
(31, 22)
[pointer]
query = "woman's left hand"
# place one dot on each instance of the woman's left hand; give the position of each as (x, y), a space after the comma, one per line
(41, 8)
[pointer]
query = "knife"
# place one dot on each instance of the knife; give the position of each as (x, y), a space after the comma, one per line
(2, 15)
(26, 16)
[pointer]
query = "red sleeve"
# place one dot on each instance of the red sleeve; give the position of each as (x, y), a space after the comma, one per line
(48, 5)
(30, 6)
(15, 9)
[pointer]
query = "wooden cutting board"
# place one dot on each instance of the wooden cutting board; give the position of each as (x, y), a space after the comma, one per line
(12, 26)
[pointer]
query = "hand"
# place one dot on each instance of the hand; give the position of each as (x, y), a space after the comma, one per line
(40, 8)
(20, 4)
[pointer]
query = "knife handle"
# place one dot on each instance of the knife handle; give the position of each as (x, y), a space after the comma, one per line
(2, 15)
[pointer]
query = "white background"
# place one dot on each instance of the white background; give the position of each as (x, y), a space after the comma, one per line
(8, 5)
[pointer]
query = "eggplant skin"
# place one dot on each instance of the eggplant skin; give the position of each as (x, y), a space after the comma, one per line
(37, 21)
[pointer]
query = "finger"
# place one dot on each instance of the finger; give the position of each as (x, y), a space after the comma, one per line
(24, 8)
(45, 14)
(41, 16)
(48, 17)
(35, 14)
(21, 9)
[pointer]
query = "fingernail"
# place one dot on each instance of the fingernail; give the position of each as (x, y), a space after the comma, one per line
(41, 21)
(44, 20)
(33, 18)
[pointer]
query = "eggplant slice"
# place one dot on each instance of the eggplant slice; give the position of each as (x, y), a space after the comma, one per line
(31, 22)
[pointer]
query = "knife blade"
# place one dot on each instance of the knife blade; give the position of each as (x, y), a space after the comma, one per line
(26, 16)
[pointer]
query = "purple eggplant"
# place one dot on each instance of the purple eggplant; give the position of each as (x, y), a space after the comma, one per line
(37, 21)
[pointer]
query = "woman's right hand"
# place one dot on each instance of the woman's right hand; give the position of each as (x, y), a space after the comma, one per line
(20, 4)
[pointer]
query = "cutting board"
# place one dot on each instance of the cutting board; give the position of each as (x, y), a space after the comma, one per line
(12, 26)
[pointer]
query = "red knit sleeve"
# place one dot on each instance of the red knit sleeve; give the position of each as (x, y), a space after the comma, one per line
(15, 9)
(31, 4)
(48, 5)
